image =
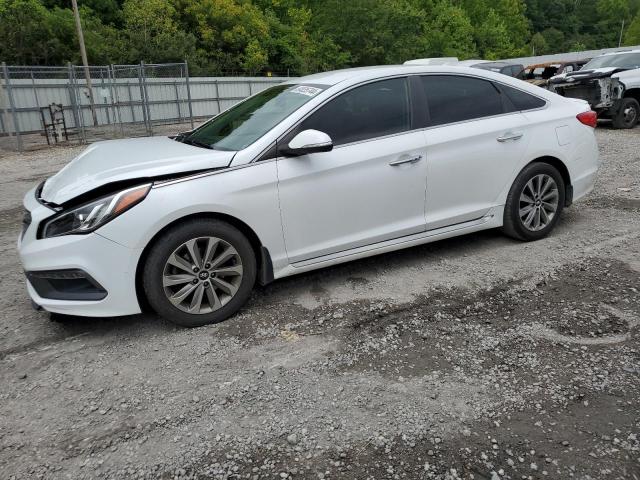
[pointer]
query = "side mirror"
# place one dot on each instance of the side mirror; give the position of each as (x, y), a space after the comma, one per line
(308, 141)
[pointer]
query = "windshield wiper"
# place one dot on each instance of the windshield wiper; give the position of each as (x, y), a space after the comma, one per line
(195, 143)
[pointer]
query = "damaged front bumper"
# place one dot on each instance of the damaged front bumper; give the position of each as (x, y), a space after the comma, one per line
(602, 93)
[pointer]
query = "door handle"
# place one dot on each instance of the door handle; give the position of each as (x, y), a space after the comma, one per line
(510, 136)
(402, 161)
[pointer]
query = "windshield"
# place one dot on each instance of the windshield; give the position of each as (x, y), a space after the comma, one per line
(627, 60)
(247, 121)
(542, 72)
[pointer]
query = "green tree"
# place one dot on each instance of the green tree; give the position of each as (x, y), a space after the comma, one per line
(152, 34)
(360, 27)
(24, 27)
(303, 36)
(34, 35)
(254, 57)
(229, 33)
(450, 32)
(539, 44)
(554, 37)
(501, 29)
(632, 35)
(492, 38)
(588, 23)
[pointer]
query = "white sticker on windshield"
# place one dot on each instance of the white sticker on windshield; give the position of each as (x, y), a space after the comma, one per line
(306, 90)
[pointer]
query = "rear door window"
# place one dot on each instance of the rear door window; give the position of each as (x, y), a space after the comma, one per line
(455, 98)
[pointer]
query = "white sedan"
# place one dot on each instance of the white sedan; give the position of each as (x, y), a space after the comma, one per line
(309, 173)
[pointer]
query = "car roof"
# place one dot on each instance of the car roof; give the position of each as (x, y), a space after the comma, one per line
(333, 77)
(359, 74)
(345, 78)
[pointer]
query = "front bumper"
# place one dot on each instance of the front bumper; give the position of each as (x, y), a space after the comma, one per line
(601, 93)
(109, 264)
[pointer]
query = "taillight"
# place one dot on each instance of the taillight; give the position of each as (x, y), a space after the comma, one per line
(589, 118)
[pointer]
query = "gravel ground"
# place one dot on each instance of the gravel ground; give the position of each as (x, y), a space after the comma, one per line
(477, 357)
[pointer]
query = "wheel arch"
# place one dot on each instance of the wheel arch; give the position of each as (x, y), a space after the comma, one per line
(633, 93)
(562, 169)
(263, 258)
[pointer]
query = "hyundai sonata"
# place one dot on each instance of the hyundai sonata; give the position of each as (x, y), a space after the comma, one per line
(312, 172)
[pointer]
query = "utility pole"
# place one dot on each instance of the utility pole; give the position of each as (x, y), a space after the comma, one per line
(621, 29)
(83, 54)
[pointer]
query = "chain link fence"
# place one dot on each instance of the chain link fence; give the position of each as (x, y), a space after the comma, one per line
(42, 106)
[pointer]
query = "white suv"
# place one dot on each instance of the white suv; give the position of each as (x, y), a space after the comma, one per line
(316, 171)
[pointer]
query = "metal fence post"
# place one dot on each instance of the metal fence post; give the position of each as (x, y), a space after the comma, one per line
(143, 98)
(186, 76)
(115, 99)
(12, 105)
(35, 90)
(3, 111)
(146, 97)
(104, 99)
(218, 96)
(78, 104)
(175, 88)
(130, 93)
(72, 98)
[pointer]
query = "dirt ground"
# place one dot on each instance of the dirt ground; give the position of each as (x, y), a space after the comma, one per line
(477, 357)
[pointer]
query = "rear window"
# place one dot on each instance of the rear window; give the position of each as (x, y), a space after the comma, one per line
(522, 100)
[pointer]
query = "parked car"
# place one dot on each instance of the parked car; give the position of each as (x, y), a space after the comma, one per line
(313, 172)
(540, 73)
(515, 70)
(611, 85)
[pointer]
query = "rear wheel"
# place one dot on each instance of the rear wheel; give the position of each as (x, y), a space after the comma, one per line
(628, 113)
(534, 203)
(199, 272)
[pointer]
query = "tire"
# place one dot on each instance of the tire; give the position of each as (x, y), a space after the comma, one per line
(528, 182)
(628, 114)
(218, 287)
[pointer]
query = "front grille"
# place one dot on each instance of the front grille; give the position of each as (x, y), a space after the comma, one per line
(26, 221)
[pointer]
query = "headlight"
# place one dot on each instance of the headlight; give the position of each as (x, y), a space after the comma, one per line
(90, 216)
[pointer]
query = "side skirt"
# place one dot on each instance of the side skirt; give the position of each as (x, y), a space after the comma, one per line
(493, 219)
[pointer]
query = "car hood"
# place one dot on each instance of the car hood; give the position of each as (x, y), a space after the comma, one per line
(586, 74)
(112, 161)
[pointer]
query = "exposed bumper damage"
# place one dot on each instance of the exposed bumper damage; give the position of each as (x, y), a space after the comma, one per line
(602, 91)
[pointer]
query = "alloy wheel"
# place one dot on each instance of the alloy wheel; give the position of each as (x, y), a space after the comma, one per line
(202, 275)
(538, 202)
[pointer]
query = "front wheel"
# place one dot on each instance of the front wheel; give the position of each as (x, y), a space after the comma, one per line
(628, 113)
(199, 272)
(534, 203)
